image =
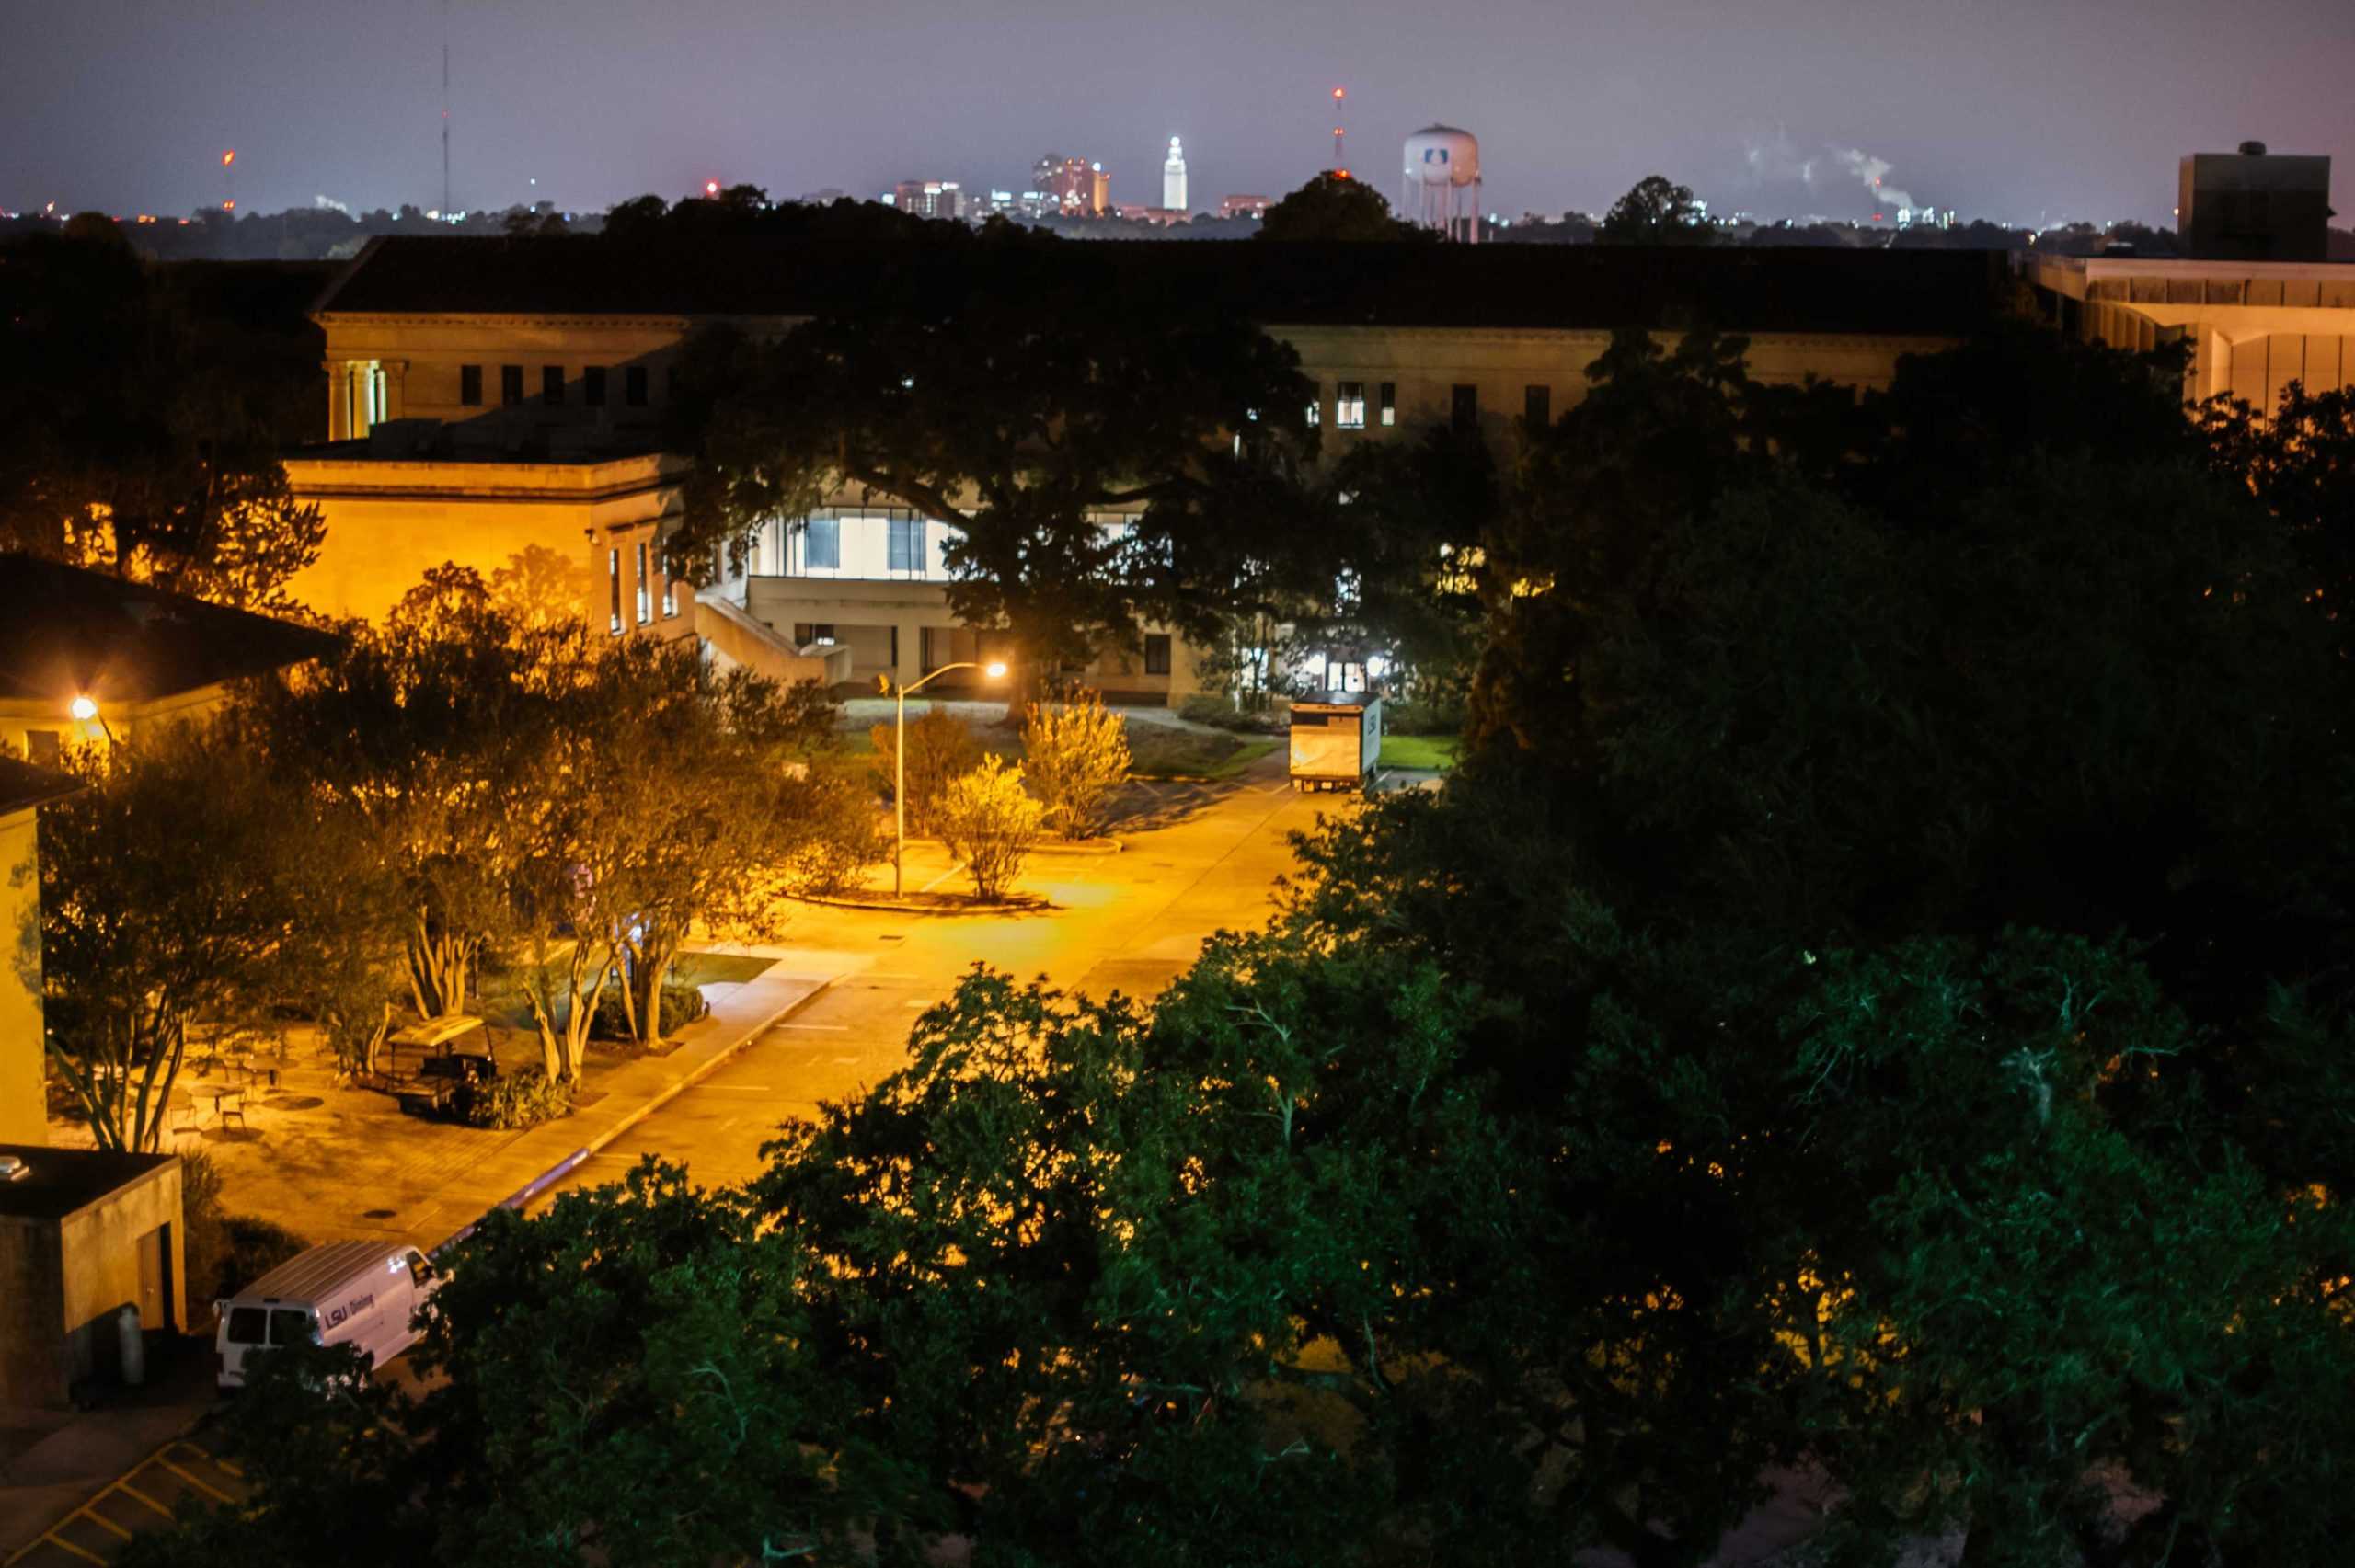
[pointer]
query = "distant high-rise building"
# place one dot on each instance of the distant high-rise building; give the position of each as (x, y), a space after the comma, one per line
(929, 198)
(1172, 179)
(1082, 190)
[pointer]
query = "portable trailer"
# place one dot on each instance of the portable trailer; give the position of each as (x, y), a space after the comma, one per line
(1335, 740)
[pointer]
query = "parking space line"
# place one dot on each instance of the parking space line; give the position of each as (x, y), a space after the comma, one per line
(201, 1486)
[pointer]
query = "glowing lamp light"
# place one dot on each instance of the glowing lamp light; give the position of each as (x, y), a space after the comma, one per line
(994, 670)
(228, 157)
(711, 188)
(82, 709)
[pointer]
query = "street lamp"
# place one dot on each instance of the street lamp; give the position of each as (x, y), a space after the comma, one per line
(994, 670)
(83, 709)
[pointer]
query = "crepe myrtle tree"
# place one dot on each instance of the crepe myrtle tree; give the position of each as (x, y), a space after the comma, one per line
(1104, 450)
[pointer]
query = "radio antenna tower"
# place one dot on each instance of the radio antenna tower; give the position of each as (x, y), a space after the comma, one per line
(445, 110)
(1341, 164)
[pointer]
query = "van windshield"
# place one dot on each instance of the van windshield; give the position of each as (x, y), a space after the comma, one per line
(245, 1325)
(289, 1327)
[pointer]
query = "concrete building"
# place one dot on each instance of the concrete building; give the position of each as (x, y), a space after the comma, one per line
(1396, 339)
(1172, 179)
(83, 1235)
(24, 788)
(2253, 205)
(930, 198)
(1079, 188)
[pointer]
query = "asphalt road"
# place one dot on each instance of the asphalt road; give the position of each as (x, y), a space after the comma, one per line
(1199, 858)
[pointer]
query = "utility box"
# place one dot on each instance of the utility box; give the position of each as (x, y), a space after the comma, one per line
(1335, 740)
(84, 1233)
(2254, 206)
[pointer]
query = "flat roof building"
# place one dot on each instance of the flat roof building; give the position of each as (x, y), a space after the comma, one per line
(84, 1235)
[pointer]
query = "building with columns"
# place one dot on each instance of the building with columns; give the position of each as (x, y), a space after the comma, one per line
(495, 403)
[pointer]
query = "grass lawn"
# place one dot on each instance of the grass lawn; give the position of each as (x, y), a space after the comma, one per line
(1434, 753)
(1162, 751)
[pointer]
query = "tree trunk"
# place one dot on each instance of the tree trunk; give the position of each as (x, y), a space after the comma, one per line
(438, 966)
(650, 966)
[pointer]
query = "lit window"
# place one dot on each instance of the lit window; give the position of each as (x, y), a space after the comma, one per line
(1316, 412)
(906, 544)
(1389, 403)
(645, 588)
(614, 590)
(1348, 407)
(822, 545)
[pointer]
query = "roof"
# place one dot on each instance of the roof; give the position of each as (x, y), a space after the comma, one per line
(61, 1180)
(303, 1277)
(23, 785)
(1933, 292)
(67, 632)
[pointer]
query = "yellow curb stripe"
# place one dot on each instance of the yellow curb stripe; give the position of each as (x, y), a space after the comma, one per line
(63, 1545)
(209, 1490)
(134, 1493)
(91, 1511)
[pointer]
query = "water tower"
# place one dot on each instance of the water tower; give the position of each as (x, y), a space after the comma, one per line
(1442, 183)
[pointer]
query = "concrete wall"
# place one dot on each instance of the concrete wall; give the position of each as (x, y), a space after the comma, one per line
(2254, 328)
(64, 1283)
(23, 1115)
(36, 1366)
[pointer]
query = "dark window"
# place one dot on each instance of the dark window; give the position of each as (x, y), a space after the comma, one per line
(552, 385)
(807, 632)
(289, 1325)
(634, 386)
(593, 386)
(470, 386)
(822, 545)
(907, 544)
(671, 384)
(420, 1271)
(1464, 414)
(247, 1325)
(1157, 653)
(1389, 402)
(42, 745)
(510, 385)
(1537, 406)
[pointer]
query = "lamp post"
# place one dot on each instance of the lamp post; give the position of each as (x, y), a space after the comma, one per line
(994, 669)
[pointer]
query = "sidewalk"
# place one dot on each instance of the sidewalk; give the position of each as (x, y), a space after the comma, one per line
(332, 1163)
(52, 1462)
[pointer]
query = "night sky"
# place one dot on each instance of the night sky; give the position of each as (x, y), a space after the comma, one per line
(2021, 110)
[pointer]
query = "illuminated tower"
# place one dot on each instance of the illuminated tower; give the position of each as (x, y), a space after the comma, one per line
(1172, 179)
(1341, 164)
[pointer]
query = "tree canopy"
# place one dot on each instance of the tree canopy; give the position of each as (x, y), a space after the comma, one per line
(1105, 452)
(1656, 211)
(1334, 207)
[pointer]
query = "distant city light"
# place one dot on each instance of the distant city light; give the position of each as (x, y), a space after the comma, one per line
(228, 157)
(711, 188)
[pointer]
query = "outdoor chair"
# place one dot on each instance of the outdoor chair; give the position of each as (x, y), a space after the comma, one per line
(235, 1108)
(186, 1118)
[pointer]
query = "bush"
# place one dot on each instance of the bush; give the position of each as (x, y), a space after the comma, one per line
(940, 748)
(990, 823)
(682, 1005)
(1416, 717)
(1075, 755)
(1219, 713)
(841, 835)
(223, 1253)
(518, 1100)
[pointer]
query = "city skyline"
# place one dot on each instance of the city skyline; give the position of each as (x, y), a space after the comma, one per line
(1789, 109)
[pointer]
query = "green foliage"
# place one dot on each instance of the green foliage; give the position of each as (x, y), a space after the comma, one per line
(1074, 754)
(1655, 210)
(1332, 207)
(941, 747)
(844, 835)
(223, 1253)
(990, 823)
(928, 382)
(515, 1100)
(1220, 713)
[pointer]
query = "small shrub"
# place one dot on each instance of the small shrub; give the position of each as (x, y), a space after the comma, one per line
(841, 836)
(682, 1005)
(1075, 755)
(989, 822)
(1415, 717)
(941, 747)
(518, 1100)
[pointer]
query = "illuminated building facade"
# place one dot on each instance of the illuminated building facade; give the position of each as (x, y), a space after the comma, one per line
(524, 393)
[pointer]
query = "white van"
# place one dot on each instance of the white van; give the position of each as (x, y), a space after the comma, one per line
(361, 1293)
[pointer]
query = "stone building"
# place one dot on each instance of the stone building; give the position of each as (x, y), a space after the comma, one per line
(492, 399)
